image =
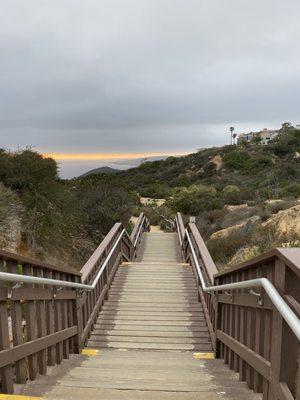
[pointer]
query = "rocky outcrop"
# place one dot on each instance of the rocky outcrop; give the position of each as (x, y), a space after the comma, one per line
(243, 228)
(244, 254)
(218, 162)
(285, 223)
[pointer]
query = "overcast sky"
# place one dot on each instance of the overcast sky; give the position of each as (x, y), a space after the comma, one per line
(126, 76)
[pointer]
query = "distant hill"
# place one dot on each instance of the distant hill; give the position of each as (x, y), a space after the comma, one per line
(122, 165)
(101, 170)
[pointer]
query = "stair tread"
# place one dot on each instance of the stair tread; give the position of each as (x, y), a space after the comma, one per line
(150, 346)
(153, 304)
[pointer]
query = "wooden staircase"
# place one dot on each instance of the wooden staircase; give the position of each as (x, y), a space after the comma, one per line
(150, 340)
(144, 325)
(153, 304)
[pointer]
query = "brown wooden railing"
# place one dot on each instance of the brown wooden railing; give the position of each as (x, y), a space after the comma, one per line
(249, 333)
(37, 324)
(40, 325)
(136, 237)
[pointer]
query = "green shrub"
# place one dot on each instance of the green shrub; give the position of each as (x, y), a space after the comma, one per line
(291, 190)
(232, 194)
(195, 199)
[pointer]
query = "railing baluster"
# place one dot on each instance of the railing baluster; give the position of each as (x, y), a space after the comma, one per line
(31, 324)
(58, 325)
(17, 327)
(41, 328)
(6, 372)
(49, 311)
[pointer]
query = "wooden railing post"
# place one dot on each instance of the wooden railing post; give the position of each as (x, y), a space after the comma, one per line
(277, 334)
(6, 372)
(77, 317)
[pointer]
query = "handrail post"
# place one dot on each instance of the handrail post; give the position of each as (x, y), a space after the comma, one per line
(283, 344)
(277, 330)
(77, 315)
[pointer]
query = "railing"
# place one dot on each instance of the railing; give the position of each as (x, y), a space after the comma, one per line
(256, 332)
(136, 237)
(48, 312)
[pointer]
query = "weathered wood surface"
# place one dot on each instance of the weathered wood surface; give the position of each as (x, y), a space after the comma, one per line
(159, 290)
(250, 334)
(41, 325)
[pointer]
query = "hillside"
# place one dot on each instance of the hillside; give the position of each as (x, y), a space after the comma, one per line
(244, 198)
(256, 172)
(243, 187)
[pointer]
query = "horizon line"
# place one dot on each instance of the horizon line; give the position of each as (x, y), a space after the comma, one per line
(110, 156)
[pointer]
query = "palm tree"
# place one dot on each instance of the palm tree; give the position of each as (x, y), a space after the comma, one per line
(231, 132)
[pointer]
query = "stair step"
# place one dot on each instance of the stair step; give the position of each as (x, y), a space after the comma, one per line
(158, 333)
(152, 325)
(156, 317)
(156, 297)
(151, 307)
(151, 314)
(149, 339)
(149, 346)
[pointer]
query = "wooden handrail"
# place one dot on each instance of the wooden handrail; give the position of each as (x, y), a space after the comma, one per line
(7, 256)
(101, 251)
(180, 227)
(203, 252)
(289, 256)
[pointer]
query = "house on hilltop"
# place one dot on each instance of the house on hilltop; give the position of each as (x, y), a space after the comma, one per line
(264, 136)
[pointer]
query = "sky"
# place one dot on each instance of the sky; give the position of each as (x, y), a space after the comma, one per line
(150, 77)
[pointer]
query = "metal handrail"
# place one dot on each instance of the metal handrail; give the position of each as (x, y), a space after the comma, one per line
(18, 278)
(178, 231)
(9, 277)
(286, 312)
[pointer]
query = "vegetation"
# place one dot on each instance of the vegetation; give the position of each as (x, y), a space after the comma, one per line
(59, 221)
(65, 220)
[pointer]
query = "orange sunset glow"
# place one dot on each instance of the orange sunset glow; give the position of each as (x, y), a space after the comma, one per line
(108, 156)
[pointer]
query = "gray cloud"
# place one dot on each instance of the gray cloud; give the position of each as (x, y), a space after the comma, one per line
(145, 75)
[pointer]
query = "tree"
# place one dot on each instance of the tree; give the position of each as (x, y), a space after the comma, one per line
(231, 133)
(286, 126)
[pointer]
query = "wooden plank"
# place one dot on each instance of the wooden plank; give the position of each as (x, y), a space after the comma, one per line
(87, 269)
(288, 256)
(267, 335)
(64, 323)
(94, 313)
(31, 326)
(254, 360)
(58, 325)
(277, 330)
(284, 393)
(242, 338)
(246, 300)
(41, 328)
(49, 313)
(17, 258)
(6, 373)
(150, 346)
(40, 294)
(10, 356)
(17, 328)
(148, 339)
(152, 333)
(207, 260)
(257, 383)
